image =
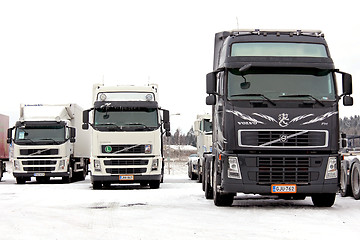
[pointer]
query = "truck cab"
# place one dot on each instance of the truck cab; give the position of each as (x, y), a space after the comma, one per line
(127, 128)
(44, 143)
(275, 116)
(203, 133)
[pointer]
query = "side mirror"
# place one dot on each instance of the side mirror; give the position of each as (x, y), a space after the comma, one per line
(167, 126)
(85, 125)
(166, 116)
(343, 143)
(168, 134)
(348, 100)
(347, 83)
(210, 100)
(211, 83)
(9, 135)
(72, 134)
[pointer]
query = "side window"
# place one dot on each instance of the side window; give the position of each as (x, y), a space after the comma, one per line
(219, 83)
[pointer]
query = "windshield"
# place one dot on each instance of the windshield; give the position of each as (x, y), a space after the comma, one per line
(40, 135)
(126, 119)
(280, 84)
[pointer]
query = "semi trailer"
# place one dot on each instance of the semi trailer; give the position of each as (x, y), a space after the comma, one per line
(48, 141)
(4, 147)
(275, 111)
(127, 130)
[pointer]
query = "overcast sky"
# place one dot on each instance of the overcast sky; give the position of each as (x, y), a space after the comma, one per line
(54, 51)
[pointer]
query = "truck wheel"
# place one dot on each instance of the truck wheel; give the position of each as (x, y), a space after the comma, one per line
(323, 199)
(203, 181)
(20, 180)
(162, 172)
(83, 172)
(355, 181)
(221, 199)
(154, 184)
(68, 179)
(97, 185)
(198, 173)
(345, 188)
(207, 188)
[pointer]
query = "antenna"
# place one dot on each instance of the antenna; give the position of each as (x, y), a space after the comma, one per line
(237, 22)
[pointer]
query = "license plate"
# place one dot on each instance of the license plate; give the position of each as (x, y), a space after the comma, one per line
(283, 188)
(39, 174)
(126, 177)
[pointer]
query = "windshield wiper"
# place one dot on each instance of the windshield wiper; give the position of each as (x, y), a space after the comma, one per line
(26, 139)
(254, 95)
(303, 95)
(54, 141)
(109, 125)
(139, 124)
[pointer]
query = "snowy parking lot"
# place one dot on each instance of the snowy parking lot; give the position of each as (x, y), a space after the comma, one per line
(178, 210)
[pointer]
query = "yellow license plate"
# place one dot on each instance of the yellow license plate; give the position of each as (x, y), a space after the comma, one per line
(283, 188)
(126, 177)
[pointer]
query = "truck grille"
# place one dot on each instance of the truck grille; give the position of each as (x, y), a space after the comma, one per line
(283, 170)
(125, 148)
(283, 138)
(39, 151)
(39, 162)
(125, 170)
(126, 162)
(39, 169)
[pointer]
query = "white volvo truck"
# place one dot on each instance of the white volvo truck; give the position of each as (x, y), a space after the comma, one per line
(127, 135)
(44, 143)
(203, 133)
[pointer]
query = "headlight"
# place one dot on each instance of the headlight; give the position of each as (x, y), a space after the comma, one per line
(16, 165)
(62, 164)
(234, 169)
(148, 148)
(331, 170)
(155, 164)
(97, 165)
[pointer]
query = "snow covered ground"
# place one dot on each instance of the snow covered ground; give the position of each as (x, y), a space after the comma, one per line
(178, 210)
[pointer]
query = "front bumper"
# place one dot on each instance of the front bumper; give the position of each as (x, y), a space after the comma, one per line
(42, 174)
(116, 178)
(259, 172)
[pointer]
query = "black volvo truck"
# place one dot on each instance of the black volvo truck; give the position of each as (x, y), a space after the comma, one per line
(275, 111)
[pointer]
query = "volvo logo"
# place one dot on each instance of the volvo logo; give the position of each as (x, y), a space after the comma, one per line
(283, 138)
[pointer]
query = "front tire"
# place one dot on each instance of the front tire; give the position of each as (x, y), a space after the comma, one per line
(154, 184)
(20, 180)
(221, 199)
(68, 179)
(355, 181)
(97, 185)
(323, 199)
(207, 188)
